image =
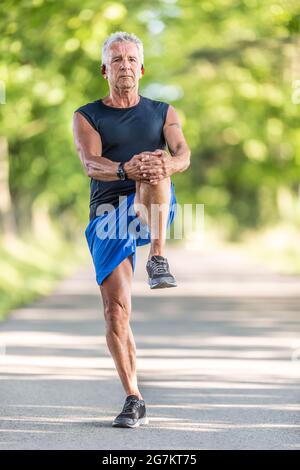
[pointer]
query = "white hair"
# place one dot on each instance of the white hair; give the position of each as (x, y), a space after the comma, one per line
(120, 36)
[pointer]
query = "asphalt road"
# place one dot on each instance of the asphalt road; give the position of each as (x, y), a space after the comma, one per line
(218, 362)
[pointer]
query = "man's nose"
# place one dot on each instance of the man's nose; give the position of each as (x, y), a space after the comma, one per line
(125, 64)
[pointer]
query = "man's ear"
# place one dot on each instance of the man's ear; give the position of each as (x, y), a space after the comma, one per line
(103, 70)
(142, 69)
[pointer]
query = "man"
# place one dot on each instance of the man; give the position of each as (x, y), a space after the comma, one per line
(121, 141)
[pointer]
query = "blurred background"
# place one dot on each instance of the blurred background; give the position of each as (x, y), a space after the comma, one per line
(230, 67)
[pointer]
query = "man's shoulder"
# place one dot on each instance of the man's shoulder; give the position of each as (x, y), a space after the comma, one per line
(91, 106)
(91, 113)
(156, 107)
(154, 103)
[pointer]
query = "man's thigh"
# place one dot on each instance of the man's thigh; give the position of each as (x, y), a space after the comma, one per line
(139, 210)
(116, 287)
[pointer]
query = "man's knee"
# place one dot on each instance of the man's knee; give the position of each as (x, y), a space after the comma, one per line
(117, 314)
(150, 188)
(149, 192)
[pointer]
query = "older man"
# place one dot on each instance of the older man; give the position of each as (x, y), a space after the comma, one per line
(121, 140)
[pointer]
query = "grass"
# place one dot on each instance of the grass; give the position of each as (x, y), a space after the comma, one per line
(276, 246)
(31, 267)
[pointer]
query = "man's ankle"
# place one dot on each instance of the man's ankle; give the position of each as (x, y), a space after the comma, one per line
(155, 253)
(138, 394)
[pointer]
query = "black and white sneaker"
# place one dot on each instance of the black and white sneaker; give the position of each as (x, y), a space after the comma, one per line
(159, 275)
(133, 413)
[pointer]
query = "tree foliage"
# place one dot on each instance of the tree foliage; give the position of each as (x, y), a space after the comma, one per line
(230, 67)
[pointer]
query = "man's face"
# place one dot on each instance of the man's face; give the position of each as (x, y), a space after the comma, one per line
(124, 67)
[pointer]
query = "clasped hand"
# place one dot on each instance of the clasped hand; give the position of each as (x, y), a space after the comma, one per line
(153, 166)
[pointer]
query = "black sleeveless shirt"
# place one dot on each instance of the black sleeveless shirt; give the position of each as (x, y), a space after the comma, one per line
(124, 132)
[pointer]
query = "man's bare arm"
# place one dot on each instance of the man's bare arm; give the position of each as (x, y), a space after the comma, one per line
(178, 161)
(176, 142)
(89, 147)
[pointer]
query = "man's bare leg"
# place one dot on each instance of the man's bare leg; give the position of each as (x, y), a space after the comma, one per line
(148, 197)
(159, 195)
(116, 296)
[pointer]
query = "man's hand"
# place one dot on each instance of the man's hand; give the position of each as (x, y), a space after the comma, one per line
(149, 167)
(156, 165)
(133, 168)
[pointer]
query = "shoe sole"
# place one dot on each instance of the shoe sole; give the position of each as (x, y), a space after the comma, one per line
(161, 284)
(140, 422)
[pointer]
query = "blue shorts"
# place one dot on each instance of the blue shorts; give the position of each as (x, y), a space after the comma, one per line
(115, 234)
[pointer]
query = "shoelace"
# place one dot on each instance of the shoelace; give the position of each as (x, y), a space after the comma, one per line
(131, 405)
(159, 267)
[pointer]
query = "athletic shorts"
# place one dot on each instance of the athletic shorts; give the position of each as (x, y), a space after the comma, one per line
(115, 234)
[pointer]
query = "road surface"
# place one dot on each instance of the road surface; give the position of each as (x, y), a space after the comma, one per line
(218, 361)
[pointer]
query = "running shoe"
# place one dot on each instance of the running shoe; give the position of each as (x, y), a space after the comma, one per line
(133, 413)
(159, 275)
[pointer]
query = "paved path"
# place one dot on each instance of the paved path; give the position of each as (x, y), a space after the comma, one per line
(218, 361)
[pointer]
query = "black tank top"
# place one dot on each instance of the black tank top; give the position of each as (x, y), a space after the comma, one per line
(124, 132)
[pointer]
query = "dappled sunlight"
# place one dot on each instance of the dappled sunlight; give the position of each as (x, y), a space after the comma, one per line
(226, 288)
(203, 406)
(31, 431)
(103, 366)
(58, 315)
(216, 371)
(51, 421)
(236, 286)
(192, 341)
(245, 384)
(48, 339)
(56, 407)
(185, 424)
